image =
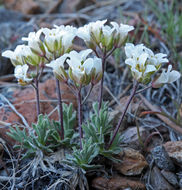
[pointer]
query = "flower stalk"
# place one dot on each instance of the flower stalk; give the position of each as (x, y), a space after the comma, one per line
(135, 86)
(88, 94)
(37, 96)
(102, 79)
(80, 116)
(60, 111)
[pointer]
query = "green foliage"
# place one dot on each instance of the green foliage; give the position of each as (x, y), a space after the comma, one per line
(69, 118)
(83, 158)
(44, 136)
(99, 130)
(170, 19)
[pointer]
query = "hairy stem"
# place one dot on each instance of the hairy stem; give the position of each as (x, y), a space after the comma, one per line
(37, 96)
(142, 90)
(88, 94)
(135, 85)
(102, 79)
(60, 112)
(80, 116)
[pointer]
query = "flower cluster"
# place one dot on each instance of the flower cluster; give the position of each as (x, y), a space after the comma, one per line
(52, 47)
(97, 34)
(143, 63)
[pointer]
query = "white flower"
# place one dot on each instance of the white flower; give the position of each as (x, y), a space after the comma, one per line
(59, 39)
(84, 33)
(137, 60)
(34, 41)
(107, 35)
(131, 49)
(32, 58)
(168, 76)
(68, 33)
(156, 59)
(52, 39)
(121, 32)
(83, 69)
(15, 56)
(91, 31)
(20, 73)
(104, 35)
(96, 72)
(58, 67)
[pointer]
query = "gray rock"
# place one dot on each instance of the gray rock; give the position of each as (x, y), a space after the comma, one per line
(9, 15)
(13, 27)
(158, 182)
(170, 177)
(130, 137)
(180, 183)
(162, 159)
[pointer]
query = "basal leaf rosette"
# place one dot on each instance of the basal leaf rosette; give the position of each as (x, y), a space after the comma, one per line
(105, 36)
(143, 62)
(83, 70)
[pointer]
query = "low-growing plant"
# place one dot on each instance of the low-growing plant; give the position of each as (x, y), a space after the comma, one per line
(44, 136)
(52, 48)
(83, 158)
(99, 129)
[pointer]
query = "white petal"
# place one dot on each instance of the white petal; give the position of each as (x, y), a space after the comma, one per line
(130, 62)
(88, 65)
(173, 76)
(84, 53)
(150, 68)
(8, 54)
(97, 64)
(142, 59)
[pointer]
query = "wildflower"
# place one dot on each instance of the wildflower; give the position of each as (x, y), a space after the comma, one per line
(20, 73)
(68, 32)
(120, 33)
(137, 60)
(97, 33)
(59, 40)
(82, 69)
(168, 76)
(156, 59)
(58, 68)
(35, 43)
(15, 56)
(91, 33)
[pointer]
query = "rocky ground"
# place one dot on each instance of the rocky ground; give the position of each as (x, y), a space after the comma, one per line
(152, 145)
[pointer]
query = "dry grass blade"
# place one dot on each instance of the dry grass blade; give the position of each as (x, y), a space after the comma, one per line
(177, 128)
(14, 109)
(13, 166)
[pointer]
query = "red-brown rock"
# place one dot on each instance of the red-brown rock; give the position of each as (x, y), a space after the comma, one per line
(174, 149)
(117, 183)
(26, 7)
(25, 103)
(132, 162)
